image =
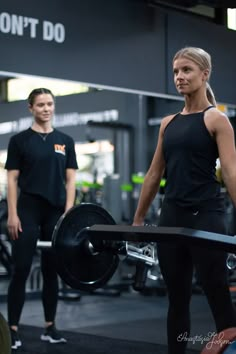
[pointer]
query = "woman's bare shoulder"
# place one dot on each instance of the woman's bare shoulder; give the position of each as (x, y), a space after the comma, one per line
(215, 113)
(166, 120)
(215, 119)
(216, 116)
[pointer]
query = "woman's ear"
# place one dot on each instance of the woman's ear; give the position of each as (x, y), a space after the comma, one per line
(205, 75)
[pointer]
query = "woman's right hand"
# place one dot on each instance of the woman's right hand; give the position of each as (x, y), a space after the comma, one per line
(138, 222)
(14, 226)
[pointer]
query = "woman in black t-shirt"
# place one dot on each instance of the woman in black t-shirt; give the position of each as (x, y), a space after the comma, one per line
(41, 163)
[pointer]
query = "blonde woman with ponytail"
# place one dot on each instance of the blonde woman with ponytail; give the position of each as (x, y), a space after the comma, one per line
(188, 146)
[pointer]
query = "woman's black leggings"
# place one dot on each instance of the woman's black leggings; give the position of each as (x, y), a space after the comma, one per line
(38, 219)
(177, 262)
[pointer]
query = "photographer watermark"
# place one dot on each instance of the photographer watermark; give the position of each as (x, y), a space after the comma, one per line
(212, 339)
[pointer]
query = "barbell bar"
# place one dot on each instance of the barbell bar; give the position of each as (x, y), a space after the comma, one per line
(144, 252)
(44, 244)
(164, 234)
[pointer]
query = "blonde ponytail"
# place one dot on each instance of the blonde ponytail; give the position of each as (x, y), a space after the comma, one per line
(210, 94)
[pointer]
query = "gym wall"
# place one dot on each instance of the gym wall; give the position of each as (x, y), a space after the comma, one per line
(122, 44)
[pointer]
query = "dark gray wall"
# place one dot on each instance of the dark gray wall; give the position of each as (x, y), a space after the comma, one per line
(107, 43)
(122, 43)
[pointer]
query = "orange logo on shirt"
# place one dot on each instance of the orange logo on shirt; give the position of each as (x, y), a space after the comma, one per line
(60, 149)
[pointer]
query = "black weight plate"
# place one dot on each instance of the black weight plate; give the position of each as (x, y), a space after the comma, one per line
(78, 267)
(5, 338)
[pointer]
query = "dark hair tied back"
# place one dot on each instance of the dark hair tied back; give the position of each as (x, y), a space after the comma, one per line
(36, 92)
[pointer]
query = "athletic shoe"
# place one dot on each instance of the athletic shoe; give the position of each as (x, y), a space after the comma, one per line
(52, 335)
(15, 341)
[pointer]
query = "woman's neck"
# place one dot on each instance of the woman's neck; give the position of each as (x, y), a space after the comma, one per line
(42, 128)
(195, 105)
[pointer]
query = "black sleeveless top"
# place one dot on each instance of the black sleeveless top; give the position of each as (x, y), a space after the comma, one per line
(190, 154)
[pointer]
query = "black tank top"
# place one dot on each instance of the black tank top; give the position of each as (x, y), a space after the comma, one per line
(190, 153)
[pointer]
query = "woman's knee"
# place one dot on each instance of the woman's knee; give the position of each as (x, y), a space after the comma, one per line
(21, 273)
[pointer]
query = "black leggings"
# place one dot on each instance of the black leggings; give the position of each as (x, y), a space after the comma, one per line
(38, 219)
(177, 262)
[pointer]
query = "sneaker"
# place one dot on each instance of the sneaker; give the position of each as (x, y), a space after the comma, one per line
(52, 335)
(15, 341)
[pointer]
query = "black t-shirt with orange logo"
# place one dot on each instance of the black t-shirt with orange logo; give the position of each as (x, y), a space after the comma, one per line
(42, 160)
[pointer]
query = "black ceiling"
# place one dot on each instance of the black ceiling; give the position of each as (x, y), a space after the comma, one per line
(191, 3)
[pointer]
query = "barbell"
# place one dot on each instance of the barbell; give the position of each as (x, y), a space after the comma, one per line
(88, 245)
